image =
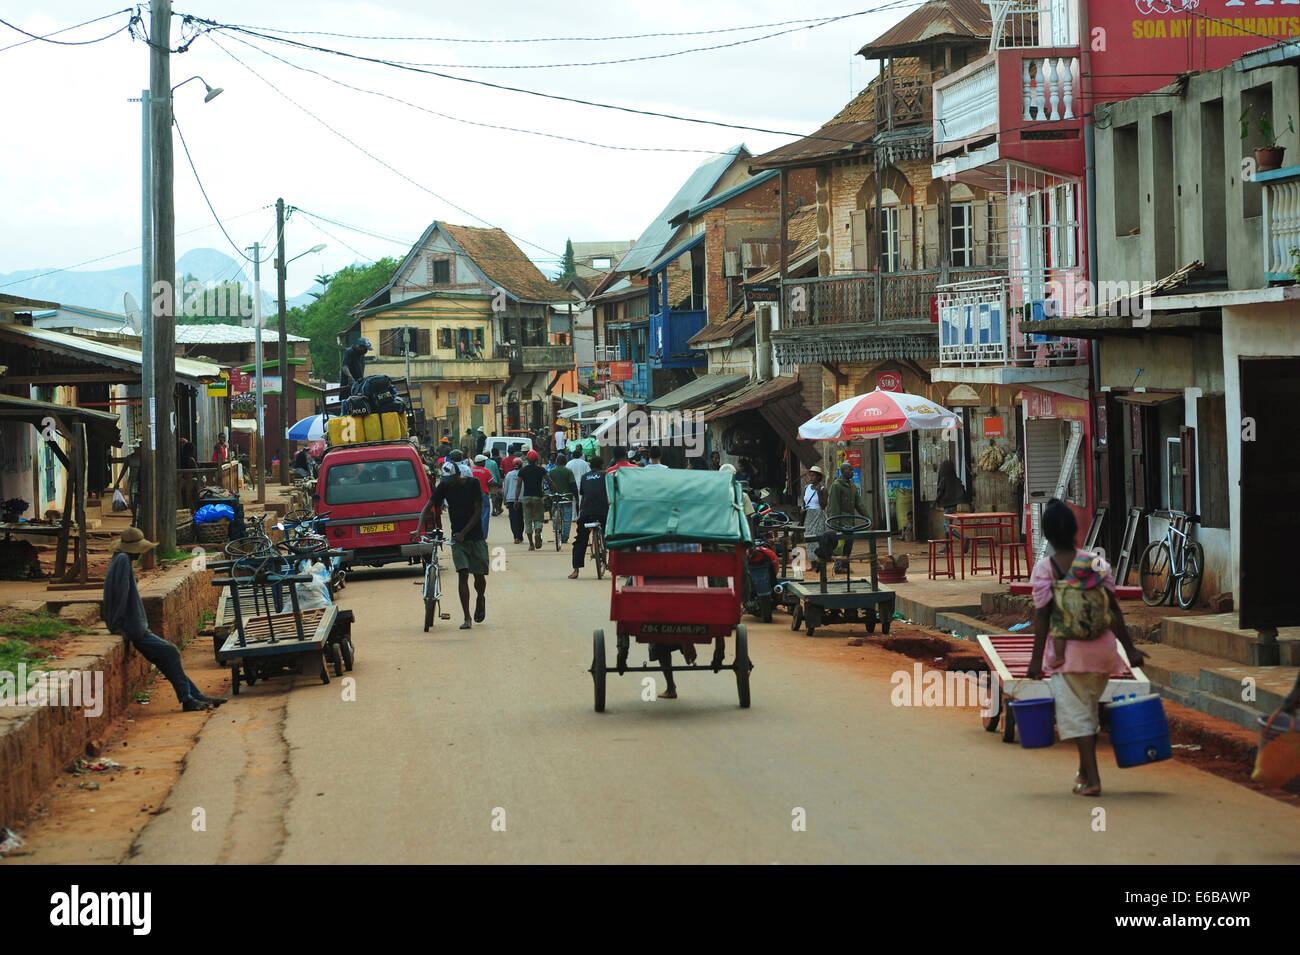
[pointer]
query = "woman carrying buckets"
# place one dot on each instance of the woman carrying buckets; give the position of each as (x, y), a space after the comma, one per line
(1079, 676)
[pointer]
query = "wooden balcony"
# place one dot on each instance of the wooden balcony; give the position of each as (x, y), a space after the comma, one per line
(867, 298)
(903, 101)
(442, 369)
(528, 358)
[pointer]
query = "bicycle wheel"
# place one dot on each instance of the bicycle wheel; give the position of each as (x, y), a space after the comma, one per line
(250, 547)
(1189, 584)
(430, 595)
(1154, 573)
(598, 552)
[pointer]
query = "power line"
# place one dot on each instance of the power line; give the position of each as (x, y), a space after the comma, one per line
(113, 255)
(470, 122)
(556, 39)
(46, 37)
(216, 218)
(650, 56)
(368, 153)
(213, 26)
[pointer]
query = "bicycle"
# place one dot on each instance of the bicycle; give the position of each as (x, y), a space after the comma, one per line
(558, 502)
(431, 591)
(1171, 568)
(597, 544)
(255, 543)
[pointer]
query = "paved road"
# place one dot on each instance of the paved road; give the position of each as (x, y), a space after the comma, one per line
(453, 730)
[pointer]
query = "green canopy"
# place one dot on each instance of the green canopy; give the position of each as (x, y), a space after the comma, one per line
(655, 506)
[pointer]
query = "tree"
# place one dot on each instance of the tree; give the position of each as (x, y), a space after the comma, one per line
(327, 316)
(221, 303)
(569, 267)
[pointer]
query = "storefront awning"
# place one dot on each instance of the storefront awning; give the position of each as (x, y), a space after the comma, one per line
(613, 421)
(1146, 397)
(117, 362)
(531, 383)
(101, 426)
(779, 404)
(695, 392)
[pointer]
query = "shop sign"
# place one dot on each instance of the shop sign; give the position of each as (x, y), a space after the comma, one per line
(992, 427)
(1047, 404)
(889, 381)
(620, 370)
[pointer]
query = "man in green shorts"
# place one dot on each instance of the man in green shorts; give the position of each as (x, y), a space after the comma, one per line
(463, 497)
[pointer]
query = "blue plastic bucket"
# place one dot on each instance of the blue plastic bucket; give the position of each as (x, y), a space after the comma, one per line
(1139, 732)
(1035, 720)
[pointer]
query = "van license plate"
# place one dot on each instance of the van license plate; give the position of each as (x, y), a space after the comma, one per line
(374, 528)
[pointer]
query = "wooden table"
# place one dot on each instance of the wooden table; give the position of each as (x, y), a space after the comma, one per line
(959, 525)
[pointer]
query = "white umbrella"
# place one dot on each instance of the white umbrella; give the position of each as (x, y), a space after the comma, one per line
(311, 428)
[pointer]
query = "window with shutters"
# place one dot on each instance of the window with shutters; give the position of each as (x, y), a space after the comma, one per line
(478, 338)
(444, 338)
(889, 246)
(962, 232)
(858, 240)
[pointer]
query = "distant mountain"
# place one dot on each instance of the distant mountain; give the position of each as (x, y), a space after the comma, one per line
(104, 289)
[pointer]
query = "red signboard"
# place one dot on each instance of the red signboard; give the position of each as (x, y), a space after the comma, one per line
(620, 370)
(854, 458)
(1170, 37)
(992, 427)
(889, 381)
(1047, 404)
(239, 381)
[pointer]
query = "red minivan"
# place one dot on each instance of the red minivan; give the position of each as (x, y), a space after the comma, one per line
(373, 494)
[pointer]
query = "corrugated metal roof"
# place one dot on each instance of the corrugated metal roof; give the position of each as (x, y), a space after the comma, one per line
(659, 233)
(222, 335)
(675, 252)
(100, 352)
(736, 190)
(697, 391)
(938, 21)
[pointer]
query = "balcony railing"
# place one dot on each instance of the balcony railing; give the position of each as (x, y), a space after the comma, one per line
(536, 357)
(1018, 24)
(1281, 221)
(967, 105)
(903, 101)
(438, 369)
(977, 326)
(905, 297)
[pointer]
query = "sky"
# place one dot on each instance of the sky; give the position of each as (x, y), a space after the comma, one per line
(70, 164)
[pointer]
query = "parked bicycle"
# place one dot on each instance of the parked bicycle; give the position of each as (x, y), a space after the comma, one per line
(1171, 569)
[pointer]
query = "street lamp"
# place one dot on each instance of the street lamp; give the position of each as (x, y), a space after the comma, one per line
(149, 440)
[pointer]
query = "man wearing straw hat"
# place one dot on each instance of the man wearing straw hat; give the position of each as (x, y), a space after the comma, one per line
(123, 611)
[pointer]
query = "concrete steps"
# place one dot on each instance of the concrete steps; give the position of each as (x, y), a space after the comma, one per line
(1218, 635)
(1214, 686)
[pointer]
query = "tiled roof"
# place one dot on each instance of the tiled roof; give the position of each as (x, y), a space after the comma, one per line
(938, 21)
(847, 132)
(504, 263)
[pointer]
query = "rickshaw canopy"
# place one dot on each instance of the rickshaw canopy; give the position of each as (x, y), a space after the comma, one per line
(657, 506)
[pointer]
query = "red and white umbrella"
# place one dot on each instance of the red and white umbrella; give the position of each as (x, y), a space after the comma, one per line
(877, 415)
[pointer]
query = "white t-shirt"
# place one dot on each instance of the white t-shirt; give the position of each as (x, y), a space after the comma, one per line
(560, 440)
(579, 467)
(662, 467)
(811, 502)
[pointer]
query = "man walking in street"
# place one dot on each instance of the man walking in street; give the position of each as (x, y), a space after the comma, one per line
(123, 612)
(594, 509)
(484, 478)
(463, 497)
(562, 481)
(579, 466)
(510, 492)
(843, 499)
(529, 491)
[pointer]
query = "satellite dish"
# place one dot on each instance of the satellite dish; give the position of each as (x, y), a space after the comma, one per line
(133, 313)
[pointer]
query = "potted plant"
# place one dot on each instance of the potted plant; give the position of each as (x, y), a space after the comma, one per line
(1268, 156)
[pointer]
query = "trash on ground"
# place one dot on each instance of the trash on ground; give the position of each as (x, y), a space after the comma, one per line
(1017, 627)
(10, 841)
(97, 764)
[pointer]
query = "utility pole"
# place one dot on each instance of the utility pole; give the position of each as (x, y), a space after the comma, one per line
(287, 386)
(162, 509)
(147, 464)
(257, 359)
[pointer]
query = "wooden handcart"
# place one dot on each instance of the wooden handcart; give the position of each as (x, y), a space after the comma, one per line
(842, 601)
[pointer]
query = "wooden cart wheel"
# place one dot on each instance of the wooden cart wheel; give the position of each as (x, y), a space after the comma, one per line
(234, 679)
(346, 649)
(250, 673)
(886, 617)
(796, 617)
(337, 656)
(742, 666)
(216, 649)
(598, 668)
(872, 618)
(991, 718)
(1008, 724)
(324, 669)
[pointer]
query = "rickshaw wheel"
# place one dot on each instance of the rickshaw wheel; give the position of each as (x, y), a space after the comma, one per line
(742, 666)
(598, 668)
(234, 679)
(346, 649)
